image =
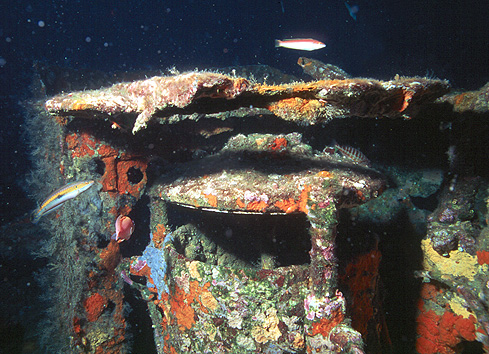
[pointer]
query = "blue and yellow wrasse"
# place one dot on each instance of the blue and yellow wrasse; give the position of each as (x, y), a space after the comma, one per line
(58, 197)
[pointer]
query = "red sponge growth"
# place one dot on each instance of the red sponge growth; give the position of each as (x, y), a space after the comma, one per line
(94, 306)
(441, 334)
(483, 257)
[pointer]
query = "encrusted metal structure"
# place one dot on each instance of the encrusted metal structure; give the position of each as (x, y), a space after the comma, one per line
(233, 290)
(292, 308)
(305, 103)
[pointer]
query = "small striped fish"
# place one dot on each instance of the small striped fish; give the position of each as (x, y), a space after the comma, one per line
(352, 154)
(58, 197)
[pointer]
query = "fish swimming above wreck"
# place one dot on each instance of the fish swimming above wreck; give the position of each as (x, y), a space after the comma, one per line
(59, 197)
(352, 10)
(308, 44)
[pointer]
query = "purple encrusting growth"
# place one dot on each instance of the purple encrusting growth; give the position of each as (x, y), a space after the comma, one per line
(126, 278)
(156, 261)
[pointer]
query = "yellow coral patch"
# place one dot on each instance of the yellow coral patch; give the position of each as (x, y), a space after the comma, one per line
(208, 300)
(298, 341)
(268, 330)
(194, 270)
(211, 330)
(459, 264)
(457, 304)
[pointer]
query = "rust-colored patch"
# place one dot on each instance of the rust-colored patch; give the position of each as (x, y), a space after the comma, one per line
(181, 309)
(71, 141)
(105, 150)
(118, 165)
(124, 185)
(240, 203)
(279, 144)
(110, 256)
(362, 276)
(461, 98)
(124, 210)
(116, 176)
(109, 179)
(77, 325)
(287, 205)
(81, 144)
(180, 303)
(407, 97)
(257, 205)
(61, 120)
(324, 174)
(306, 108)
(211, 199)
(429, 291)
(482, 257)
(114, 212)
(303, 198)
(325, 325)
(361, 196)
(94, 306)
(159, 235)
(442, 334)
(285, 103)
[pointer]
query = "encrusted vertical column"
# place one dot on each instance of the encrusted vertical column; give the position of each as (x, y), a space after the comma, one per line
(327, 328)
(156, 305)
(323, 270)
(159, 222)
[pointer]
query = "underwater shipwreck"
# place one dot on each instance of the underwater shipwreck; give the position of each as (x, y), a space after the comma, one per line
(339, 215)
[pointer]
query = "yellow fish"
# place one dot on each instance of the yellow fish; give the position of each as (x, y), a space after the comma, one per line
(58, 197)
